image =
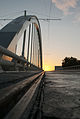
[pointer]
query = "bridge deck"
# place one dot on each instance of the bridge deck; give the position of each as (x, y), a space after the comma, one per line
(62, 95)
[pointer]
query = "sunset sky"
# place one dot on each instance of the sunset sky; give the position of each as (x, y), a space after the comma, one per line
(59, 38)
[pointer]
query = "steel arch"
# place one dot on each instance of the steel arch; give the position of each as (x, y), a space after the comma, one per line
(10, 34)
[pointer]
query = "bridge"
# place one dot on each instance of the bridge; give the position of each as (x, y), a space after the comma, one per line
(26, 91)
(21, 70)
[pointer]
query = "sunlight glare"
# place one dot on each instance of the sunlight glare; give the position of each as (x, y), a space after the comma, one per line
(48, 68)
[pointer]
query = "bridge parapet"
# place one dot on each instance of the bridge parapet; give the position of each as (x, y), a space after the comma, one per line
(75, 67)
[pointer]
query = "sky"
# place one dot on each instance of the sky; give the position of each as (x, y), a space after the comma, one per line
(60, 39)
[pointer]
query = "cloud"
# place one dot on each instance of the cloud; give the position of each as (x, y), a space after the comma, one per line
(65, 5)
(77, 16)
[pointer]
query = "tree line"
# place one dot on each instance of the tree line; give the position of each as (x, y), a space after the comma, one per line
(70, 61)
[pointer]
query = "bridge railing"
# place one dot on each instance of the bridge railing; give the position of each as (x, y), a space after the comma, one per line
(75, 67)
(17, 61)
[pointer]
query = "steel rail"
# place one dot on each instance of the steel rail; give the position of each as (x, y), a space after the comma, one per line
(26, 102)
(9, 94)
(4, 51)
(9, 78)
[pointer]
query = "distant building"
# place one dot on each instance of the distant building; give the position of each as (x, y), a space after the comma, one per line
(58, 68)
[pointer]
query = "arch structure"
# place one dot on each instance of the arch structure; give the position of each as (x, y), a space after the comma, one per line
(22, 36)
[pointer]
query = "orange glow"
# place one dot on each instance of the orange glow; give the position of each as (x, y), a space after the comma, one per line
(48, 68)
(49, 63)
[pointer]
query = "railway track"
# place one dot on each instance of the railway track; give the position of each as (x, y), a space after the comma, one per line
(18, 101)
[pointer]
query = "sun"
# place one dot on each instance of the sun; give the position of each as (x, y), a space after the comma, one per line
(48, 68)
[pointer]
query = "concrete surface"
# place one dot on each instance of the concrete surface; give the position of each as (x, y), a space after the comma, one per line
(62, 95)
